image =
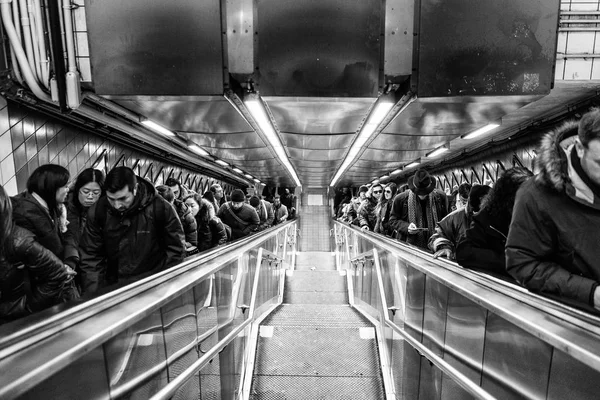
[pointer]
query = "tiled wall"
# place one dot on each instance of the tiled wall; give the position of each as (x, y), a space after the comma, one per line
(29, 139)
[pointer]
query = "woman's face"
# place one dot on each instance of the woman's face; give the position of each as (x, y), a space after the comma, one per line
(193, 206)
(89, 194)
(61, 194)
(388, 193)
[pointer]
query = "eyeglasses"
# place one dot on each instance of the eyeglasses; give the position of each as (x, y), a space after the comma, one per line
(376, 191)
(388, 191)
(87, 192)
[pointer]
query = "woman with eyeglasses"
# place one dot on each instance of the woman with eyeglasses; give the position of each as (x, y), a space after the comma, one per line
(382, 226)
(85, 193)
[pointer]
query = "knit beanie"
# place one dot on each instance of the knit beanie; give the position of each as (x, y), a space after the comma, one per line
(238, 196)
(254, 201)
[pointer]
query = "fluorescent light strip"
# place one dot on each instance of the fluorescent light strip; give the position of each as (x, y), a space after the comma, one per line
(256, 180)
(198, 150)
(239, 171)
(480, 131)
(378, 114)
(412, 164)
(437, 152)
(157, 128)
(383, 177)
(221, 162)
(248, 176)
(397, 171)
(260, 116)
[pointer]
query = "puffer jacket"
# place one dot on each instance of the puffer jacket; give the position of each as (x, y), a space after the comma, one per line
(138, 242)
(48, 281)
(188, 222)
(552, 245)
(450, 230)
(211, 231)
(243, 222)
(77, 217)
(28, 213)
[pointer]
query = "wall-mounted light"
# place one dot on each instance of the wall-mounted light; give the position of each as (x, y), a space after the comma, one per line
(396, 171)
(480, 131)
(412, 164)
(248, 176)
(198, 150)
(157, 128)
(256, 180)
(239, 171)
(221, 162)
(437, 152)
(384, 177)
(257, 109)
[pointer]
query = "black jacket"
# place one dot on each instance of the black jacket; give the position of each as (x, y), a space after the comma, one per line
(144, 239)
(553, 244)
(211, 231)
(48, 281)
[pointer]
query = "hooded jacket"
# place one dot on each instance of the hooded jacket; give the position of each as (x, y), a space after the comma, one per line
(366, 213)
(187, 221)
(211, 231)
(138, 242)
(552, 245)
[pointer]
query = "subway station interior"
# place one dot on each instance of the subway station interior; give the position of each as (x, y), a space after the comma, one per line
(313, 96)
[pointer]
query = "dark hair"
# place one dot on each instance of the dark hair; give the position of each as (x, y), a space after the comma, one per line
(589, 126)
(6, 223)
(464, 189)
(477, 194)
(86, 176)
(45, 181)
(166, 193)
(403, 188)
(213, 187)
(119, 178)
(500, 200)
(210, 196)
(393, 187)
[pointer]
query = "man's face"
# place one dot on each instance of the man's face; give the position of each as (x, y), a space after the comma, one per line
(376, 193)
(236, 205)
(218, 192)
(590, 159)
(362, 195)
(176, 191)
(122, 199)
(277, 202)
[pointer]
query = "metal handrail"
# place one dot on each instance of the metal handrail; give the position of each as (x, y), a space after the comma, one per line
(88, 325)
(564, 327)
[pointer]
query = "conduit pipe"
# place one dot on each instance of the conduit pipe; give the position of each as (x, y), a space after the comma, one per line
(25, 24)
(41, 42)
(37, 57)
(13, 58)
(21, 57)
(72, 76)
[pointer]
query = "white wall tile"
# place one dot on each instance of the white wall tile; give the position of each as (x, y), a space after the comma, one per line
(5, 145)
(580, 42)
(578, 69)
(10, 187)
(8, 168)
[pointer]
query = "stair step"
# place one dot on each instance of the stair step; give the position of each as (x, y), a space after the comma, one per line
(315, 281)
(319, 260)
(316, 315)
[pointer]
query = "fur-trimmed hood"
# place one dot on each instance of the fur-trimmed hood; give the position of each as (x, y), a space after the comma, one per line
(557, 171)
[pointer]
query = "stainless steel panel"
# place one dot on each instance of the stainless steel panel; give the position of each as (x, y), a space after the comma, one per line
(313, 48)
(415, 303)
(407, 380)
(430, 381)
(453, 391)
(240, 36)
(155, 48)
(478, 48)
(516, 364)
(85, 375)
(465, 334)
(206, 310)
(571, 379)
(210, 375)
(133, 355)
(399, 29)
(434, 315)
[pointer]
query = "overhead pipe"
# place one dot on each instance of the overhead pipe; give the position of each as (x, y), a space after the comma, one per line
(37, 56)
(72, 77)
(57, 50)
(19, 52)
(41, 42)
(25, 24)
(13, 57)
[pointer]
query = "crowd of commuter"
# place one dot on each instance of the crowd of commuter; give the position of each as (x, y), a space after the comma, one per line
(540, 231)
(62, 241)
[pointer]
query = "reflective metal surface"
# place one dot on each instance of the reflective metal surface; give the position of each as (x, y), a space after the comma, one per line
(177, 334)
(464, 335)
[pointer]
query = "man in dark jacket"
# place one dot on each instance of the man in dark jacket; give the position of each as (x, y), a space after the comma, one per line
(416, 212)
(552, 244)
(131, 233)
(367, 217)
(264, 209)
(239, 215)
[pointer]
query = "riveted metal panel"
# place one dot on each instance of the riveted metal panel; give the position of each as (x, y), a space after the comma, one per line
(171, 48)
(327, 48)
(472, 47)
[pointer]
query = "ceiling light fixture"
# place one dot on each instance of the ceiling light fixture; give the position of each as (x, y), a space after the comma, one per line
(198, 150)
(480, 131)
(157, 128)
(412, 164)
(258, 110)
(437, 152)
(248, 176)
(396, 171)
(239, 171)
(380, 111)
(384, 177)
(221, 162)
(256, 180)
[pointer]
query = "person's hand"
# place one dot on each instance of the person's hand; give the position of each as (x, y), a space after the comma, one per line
(412, 229)
(444, 253)
(70, 271)
(364, 228)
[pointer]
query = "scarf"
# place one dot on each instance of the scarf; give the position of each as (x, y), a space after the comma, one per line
(415, 216)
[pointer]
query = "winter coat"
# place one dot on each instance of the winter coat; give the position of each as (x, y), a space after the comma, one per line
(242, 222)
(553, 245)
(28, 213)
(265, 214)
(482, 247)
(450, 230)
(77, 217)
(399, 213)
(187, 221)
(138, 242)
(366, 213)
(31, 278)
(211, 231)
(382, 225)
(281, 214)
